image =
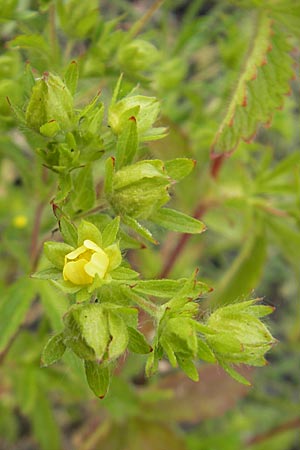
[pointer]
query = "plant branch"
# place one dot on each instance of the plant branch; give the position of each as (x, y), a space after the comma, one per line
(139, 25)
(281, 428)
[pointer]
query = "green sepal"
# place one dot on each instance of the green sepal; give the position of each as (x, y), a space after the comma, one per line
(53, 350)
(50, 129)
(55, 252)
(204, 352)
(87, 230)
(68, 231)
(177, 221)
(137, 342)
(124, 273)
(179, 168)
(118, 336)
(71, 77)
(109, 234)
(98, 377)
(127, 144)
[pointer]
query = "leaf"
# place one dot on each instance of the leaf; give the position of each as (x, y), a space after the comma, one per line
(53, 350)
(177, 221)
(83, 195)
(188, 367)
(179, 168)
(71, 77)
(55, 304)
(124, 273)
(87, 230)
(33, 41)
(52, 273)
(45, 427)
(245, 271)
(110, 232)
(109, 173)
(138, 228)
(56, 252)
(127, 143)
(234, 374)
(260, 90)
(118, 335)
(159, 288)
(68, 231)
(98, 378)
(137, 342)
(13, 308)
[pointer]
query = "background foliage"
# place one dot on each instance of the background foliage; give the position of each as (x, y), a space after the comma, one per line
(224, 72)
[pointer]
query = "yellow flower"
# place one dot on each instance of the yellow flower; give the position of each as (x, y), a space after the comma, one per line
(88, 260)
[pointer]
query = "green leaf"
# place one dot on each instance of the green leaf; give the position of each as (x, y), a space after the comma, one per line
(187, 365)
(234, 374)
(52, 273)
(33, 41)
(137, 342)
(55, 304)
(83, 196)
(261, 88)
(71, 77)
(179, 168)
(204, 352)
(110, 232)
(127, 143)
(68, 231)
(98, 378)
(56, 252)
(13, 308)
(45, 428)
(87, 230)
(160, 288)
(109, 173)
(53, 350)
(124, 273)
(177, 221)
(138, 228)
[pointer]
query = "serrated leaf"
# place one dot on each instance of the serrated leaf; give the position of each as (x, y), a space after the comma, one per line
(179, 168)
(98, 378)
(71, 77)
(13, 308)
(53, 350)
(177, 221)
(127, 143)
(260, 89)
(137, 342)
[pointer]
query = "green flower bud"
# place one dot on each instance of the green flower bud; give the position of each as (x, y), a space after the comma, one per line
(240, 337)
(140, 189)
(145, 111)
(50, 101)
(138, 55)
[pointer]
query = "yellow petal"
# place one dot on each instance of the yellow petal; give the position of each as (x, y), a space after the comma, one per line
(98, 264)
(92, 246)
(74, 272)
(75, 253)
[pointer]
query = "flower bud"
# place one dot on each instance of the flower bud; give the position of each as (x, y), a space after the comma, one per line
(50, 101)
(137, 55)
(240, 337)
(139, 189)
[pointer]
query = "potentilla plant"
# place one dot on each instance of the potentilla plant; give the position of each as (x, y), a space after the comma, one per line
(88, 260)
